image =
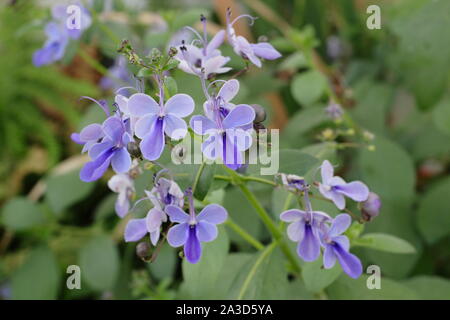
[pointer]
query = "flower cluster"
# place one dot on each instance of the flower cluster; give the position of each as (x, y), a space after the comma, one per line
(315, 229)
(59, 33)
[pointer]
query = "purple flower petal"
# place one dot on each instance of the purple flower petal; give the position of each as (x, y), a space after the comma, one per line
(355, 190)
(178, 235)
(296, 230)
(140, 104)
(154, 236)
(215, 42)
(113, 129)
(340, 224)
(342, 241)
(176, 128)
(121, 160)
(231, 156)
(122, 205)
(99, 148)
(122, 102)
(206, 231)
(144, 125)
(327, 171)
(95, 169)
(239, 116)
(292, 215)
(180, 105)
(309, 248)
(192, 247)
(213, 213)
(201, 125)
(329, 257)
(241, 138)
(265, 50)
(93, 131)
(176, 214)
(229, 90)
(349, 262)
(212, 147)
(154, 219)
(152, 145)
(75, 137)
(135, 230)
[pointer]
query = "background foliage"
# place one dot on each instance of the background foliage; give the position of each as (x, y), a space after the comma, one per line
(394, 82)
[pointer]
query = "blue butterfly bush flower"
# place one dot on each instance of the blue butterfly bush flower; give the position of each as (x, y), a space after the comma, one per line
(157, 120)
(204, 61)
(124, 186)
(336, 189)
(165, 192)
(58, 35)
(191, 230)
(249, 51)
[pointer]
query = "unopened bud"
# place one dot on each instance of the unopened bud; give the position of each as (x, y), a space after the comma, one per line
(260, 113)
(371, 207)
(134, 150)
(143, 250)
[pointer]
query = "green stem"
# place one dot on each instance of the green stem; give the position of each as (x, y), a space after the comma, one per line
(246, 178)
(276, 233)
(253, 270)
(197, 177)
(93, 63)
(244, 234)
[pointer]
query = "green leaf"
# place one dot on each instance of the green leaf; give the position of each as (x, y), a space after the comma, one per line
(170, 87)
(389, 172)
(308, 87)
(433, 216)
(203, 180)
(21, 214)
(99, 263)
(317, 278)
(200, 278)
(295, 162)
(38, 277)
(430, 287)
(441, 116)
(384, 242)
(165, 264)
(243, 214)
(144, 73)
(346, 288)
(63, 190)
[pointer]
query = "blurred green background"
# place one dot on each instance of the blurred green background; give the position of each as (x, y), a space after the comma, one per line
(394, 82)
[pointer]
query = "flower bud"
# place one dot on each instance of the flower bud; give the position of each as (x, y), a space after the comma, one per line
(133, 149)
(371, 207)
(143, 250)
(260, 113)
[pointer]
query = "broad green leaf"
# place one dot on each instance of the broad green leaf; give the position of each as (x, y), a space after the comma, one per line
(295, 162)
(346, 288)
(433, 216)
(200, 278)
(389, 172)
(20, 214)
(263, 277)
(384, 242)
(430, 287)
(38, 277)
(441, 116)
(308, 87)
(66, 189)
(317, 278)
(99, 263)
(243, 214)
(422, 56)
(170, 86)
(165, 264)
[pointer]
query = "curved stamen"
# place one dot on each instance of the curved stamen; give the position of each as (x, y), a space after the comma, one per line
(102, 103)
(252, 19)
(123, 88)
(196, 33)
